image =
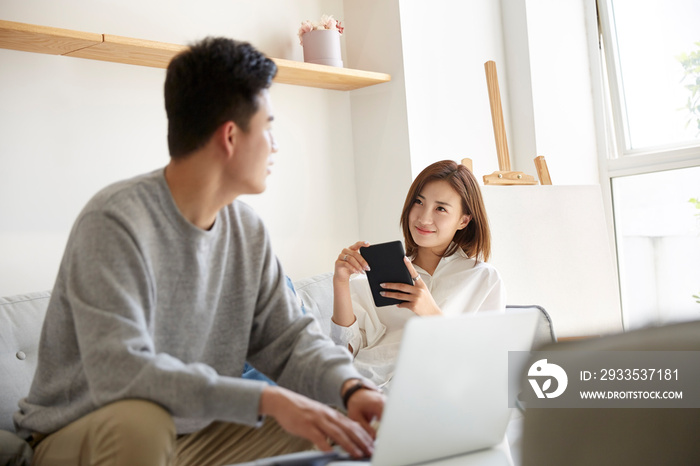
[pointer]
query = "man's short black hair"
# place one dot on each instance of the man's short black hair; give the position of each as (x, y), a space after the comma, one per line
(213, 81)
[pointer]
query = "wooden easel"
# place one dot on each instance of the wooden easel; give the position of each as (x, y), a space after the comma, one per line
(504, 175)
(542, 170)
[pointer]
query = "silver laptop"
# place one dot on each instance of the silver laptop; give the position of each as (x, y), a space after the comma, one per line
(449, 395)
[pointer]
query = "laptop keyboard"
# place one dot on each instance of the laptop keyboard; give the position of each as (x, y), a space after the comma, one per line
(305, 458)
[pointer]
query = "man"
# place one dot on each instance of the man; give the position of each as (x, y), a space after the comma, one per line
(168, 285)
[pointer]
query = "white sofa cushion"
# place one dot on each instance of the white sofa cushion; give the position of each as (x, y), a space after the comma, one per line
(316, 292)
(21, 318)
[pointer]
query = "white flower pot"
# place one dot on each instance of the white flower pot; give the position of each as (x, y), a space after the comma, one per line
(322, 46)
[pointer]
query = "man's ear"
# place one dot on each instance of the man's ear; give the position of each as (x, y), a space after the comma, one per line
(226, 136)
(464, 222)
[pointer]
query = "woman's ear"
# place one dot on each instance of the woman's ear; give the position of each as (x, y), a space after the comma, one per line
(464, 222)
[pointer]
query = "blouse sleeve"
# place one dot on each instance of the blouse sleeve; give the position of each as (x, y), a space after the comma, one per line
(495, 300)
(345, 336)
(367, 328)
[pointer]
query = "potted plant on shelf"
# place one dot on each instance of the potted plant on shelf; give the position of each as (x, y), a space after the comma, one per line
(321, 41)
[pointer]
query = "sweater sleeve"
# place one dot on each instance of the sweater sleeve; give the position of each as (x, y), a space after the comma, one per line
(290, 347)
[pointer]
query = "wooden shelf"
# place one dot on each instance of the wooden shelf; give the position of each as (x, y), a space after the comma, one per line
(129, 51)
(42, 39)
(326, 77)
(106, 47)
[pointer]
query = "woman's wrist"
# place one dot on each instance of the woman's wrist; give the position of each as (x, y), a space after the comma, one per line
(343, 322)
(343, 314)
(341, 282)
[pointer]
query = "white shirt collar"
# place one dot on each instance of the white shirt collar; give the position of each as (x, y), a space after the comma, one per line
(459, 253)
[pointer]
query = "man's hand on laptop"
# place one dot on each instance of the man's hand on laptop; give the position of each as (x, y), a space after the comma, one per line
(364, 403)
(316, 422)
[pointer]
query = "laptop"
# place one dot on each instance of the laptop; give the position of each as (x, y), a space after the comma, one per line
(449, 395)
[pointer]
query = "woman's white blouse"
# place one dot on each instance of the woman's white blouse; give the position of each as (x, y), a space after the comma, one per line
(458, 287)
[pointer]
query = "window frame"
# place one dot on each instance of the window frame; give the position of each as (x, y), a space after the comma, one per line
(614, 159)
(619, 160)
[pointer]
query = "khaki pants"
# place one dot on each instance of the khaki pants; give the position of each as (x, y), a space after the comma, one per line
(136, 432)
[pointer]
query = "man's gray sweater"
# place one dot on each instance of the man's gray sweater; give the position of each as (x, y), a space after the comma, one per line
(146, 305)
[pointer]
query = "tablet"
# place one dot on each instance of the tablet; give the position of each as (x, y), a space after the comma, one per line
(386, 263)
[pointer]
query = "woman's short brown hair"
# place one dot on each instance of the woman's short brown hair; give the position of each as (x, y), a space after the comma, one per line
(475, 239)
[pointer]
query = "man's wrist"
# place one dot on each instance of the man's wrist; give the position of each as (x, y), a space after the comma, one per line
(269, 398)
(352, 386)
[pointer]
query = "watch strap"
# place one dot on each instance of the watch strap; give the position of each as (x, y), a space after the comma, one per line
(359, 385)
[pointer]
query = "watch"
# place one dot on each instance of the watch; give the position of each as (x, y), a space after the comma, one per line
(359, 385)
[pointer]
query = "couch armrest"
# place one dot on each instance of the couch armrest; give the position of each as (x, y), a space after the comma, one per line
(14, 451)
(21, 319)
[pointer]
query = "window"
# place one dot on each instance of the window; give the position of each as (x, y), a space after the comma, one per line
(651, 55)
(648, 40)
(657, 218)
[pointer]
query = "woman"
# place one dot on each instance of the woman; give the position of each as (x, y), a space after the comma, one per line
(448, 242)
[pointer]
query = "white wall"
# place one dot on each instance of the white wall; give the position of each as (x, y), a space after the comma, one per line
(380, 127)
(67, 127)
(550, 82)
(70, 126)
(448, 106)
(541, 55)
(561, 91)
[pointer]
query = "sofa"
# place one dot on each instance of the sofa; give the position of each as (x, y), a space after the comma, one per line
(21, 320)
